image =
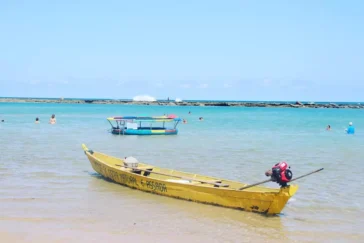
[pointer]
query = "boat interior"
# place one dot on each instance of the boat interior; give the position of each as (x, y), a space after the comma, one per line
(144, 128)
(151, 123)
(170, 175)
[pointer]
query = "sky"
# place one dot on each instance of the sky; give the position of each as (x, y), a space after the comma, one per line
(215, 50)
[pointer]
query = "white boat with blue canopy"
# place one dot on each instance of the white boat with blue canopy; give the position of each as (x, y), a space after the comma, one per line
(144, 125)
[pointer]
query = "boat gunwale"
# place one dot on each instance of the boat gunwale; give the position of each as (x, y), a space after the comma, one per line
(145, 119)
(275, 191)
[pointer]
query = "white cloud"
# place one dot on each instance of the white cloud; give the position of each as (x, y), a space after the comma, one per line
(159, 84)
(120, 83)
(300, 87)
(49, 82)
(203, 86)
(34, 82)
(226, 85)
(267, 82)
(185, 86)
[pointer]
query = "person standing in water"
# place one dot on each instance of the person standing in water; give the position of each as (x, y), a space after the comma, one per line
(53, 119)
(328, 128)
(350, 129)
(37, 120)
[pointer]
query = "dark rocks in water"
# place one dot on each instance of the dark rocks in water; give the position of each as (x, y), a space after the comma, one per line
(216, 104)
(187, 103)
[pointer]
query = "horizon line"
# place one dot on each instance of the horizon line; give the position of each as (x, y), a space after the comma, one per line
(172, 100)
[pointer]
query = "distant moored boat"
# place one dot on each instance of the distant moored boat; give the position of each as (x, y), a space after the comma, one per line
(138, 125)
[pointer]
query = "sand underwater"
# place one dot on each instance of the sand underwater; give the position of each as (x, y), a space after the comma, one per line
(50, 193)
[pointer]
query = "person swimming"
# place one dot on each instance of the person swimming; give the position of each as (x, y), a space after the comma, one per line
(53, 120)
(37, 120)
(200, 118)
(350, 129)
(328, 127)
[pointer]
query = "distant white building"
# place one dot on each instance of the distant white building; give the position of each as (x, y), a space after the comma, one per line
(144, 98)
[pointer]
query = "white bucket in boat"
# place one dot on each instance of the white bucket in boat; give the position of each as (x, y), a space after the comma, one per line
(131, 162)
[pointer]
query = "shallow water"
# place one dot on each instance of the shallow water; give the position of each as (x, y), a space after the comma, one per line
(49, 191)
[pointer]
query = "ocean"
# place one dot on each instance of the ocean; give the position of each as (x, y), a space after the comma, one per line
(49, 191)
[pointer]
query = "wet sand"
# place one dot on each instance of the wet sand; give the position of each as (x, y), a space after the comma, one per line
(106, 211)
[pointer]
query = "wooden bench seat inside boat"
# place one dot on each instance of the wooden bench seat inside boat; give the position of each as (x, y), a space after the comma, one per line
(141, 169)
(218, 183)
(185, 180)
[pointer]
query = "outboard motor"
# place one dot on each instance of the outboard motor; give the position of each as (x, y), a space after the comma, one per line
(280, 173)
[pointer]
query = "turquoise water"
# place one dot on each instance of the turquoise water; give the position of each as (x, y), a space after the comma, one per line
(47, 182)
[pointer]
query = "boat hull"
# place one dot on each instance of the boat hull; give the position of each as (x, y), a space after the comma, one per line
(270, 202)
(144, 131)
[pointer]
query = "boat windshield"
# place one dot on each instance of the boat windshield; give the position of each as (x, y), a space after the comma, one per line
(145, 123)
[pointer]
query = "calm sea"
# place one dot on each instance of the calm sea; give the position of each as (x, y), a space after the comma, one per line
(49, 192)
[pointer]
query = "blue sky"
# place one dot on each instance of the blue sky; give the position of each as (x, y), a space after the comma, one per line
(235, 50)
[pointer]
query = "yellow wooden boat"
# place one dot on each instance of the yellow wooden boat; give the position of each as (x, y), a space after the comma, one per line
(190, 186)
